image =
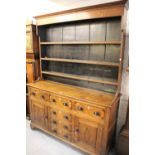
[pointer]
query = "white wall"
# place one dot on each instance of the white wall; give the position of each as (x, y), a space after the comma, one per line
(38, 7)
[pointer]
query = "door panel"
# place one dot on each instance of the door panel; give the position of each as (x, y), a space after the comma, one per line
(38, 113)
(85, 133)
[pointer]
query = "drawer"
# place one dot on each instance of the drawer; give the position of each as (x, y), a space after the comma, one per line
(55, 130)
(54, 122)
(80, 107)
(39, 94)
(65, 103)
(89, 110)
(53, 113)
(66, 127)
(54, 99)
(95, 112)
(66, 136)
(65, 117)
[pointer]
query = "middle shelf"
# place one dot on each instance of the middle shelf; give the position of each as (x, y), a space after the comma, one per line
(82, 61)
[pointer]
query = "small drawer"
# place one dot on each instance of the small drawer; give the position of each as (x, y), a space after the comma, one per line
(66, 127)
(80, 107)
(53, 113)
(95, 112)
(39, 94)
(55, 130)
(67, 136)
(43, 96)
(33, 92)
(65, 117)
(54, 122)
(54, 99)
(65, 103)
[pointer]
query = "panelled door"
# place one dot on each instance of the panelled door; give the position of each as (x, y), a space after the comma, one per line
(37, 112)
(86, 134)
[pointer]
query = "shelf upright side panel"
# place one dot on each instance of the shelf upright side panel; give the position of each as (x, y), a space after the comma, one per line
(121, 60)
(40, 58)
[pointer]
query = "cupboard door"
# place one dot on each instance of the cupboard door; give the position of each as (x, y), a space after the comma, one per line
(86, 133)
(38, 113)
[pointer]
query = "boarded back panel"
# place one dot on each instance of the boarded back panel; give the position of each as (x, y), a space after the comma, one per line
(112, 53)
(97, 31)
(82, 32)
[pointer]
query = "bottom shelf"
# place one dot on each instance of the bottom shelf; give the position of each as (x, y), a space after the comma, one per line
(80, 77)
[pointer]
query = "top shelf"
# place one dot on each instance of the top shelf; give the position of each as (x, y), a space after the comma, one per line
(83, 43)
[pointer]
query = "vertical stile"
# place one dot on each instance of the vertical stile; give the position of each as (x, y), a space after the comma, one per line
(40, 58)
(121, 61)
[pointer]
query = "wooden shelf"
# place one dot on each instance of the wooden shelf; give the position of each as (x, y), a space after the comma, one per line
(83, 61)
(83, 43)
(79, 77)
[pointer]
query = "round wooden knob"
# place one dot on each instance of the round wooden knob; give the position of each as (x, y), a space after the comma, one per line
(55, 131)
(66, 127)
(53, 100)
(66, 136)
(96, 113)
(77, 130)
(54, 112)
(80, 108)
(54, 122)
(43, 97)
(66, 117)
(33, 93)
(65, 104)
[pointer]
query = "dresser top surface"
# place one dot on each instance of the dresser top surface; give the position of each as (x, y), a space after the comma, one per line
(79, 93)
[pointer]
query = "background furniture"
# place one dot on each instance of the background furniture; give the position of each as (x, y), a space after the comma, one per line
(32, 58)
(81, 55)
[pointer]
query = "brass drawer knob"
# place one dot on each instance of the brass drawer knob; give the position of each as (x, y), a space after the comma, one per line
(65, 104)
(66, 117)
(80, 108)
(96, 113)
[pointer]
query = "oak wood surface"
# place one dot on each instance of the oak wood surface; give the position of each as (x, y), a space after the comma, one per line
(82, 94)
(98, 11)
(82, 117)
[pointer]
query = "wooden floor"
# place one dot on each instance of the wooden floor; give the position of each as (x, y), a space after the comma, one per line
(39, 143)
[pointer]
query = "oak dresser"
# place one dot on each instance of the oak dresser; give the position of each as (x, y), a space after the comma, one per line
(81, 55)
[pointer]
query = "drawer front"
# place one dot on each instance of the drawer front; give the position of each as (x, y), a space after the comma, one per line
(80, 107)
(39, 94)
(65, 103)
(65, 117)
(66, 136)
(54, 99)
(89, 110)
(95, 112)
(53, 113)
(66, 127)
